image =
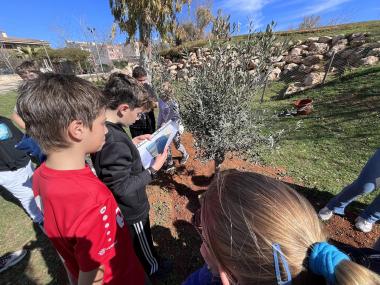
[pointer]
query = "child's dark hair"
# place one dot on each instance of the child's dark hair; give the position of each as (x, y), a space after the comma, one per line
(49, 103)
(27, 66)
(121, 88)
(139, 72)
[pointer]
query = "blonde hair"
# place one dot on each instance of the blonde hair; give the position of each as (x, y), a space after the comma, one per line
(244, 214)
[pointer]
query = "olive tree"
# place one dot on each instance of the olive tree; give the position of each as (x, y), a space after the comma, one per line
(216, 101)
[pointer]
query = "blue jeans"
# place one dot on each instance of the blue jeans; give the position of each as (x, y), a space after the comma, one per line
(368, 181)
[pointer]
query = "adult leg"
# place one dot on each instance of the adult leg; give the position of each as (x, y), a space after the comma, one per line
(19, 183)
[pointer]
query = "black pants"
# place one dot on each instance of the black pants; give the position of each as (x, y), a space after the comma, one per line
(143, 245)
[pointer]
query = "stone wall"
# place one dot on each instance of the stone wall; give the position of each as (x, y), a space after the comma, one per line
(303, 65)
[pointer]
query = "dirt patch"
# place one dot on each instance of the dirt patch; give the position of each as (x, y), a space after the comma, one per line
(174, 199)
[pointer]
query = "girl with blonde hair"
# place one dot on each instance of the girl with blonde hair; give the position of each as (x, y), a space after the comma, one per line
(256, 230)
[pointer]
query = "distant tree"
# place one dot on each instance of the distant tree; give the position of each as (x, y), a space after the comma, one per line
(144, 17)
(203, 18)
(310, 22)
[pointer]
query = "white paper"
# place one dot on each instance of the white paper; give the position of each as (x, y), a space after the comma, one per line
(160, 139)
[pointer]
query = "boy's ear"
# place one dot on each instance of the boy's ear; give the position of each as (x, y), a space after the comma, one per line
(75, 130)
(123, 107)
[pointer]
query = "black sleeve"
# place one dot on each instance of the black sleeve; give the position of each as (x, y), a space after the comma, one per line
(115, 167)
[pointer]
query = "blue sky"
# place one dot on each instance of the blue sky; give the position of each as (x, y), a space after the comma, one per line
(57, 20)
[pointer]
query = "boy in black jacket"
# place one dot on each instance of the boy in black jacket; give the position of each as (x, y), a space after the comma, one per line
(119, 165)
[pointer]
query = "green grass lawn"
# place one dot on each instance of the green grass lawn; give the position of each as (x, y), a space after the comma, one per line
(324, 150)
(327, 149)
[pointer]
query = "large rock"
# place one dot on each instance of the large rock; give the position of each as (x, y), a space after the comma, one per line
(374, 52)
(341, 45)
(312, 59)
(356, 36)
(275, 74)
(279, 64)
(313, 78)
(336, 39)
(369, 60)
(293, 88)
(325, 39)
(302, 47)
(357, 39)
(295, 51)
(293, 59)
(315, 67)
(319, 48)
(173, 67)
(290, 67)
(304, 68)
(312, 39)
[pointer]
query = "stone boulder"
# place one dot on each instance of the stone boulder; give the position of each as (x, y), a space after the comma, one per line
(290, 67)
(313, 78)
(325, 39)
(275, 74)
(369, 60)
(302, 47)
(304, 68)
(318, 48)
(337, 38)
(279, 64)
(312, 39)
(340, 45)
(357, 39)
(374, 52)
(295, 51)
(173, 67)
(312, 59)
(293, 59)
(294, 88)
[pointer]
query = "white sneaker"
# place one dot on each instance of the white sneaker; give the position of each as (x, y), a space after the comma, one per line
(11, 259)
(325, 214)
(363, 225)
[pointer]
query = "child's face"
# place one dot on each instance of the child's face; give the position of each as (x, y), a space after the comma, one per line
(96, 136)
(28, 75)
(130, 116)
(142, 79)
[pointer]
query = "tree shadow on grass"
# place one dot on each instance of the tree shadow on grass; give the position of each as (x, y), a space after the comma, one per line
(24, 271)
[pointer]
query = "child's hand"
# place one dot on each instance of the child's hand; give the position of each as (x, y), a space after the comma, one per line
(160, 160)
(141, 138)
